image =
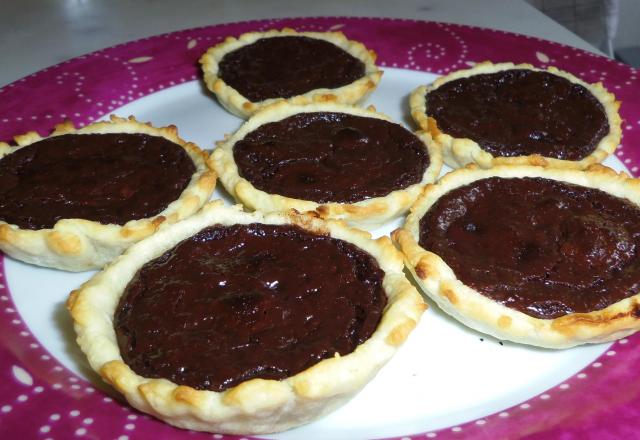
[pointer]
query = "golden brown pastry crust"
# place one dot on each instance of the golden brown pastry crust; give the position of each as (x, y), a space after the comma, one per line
(366, 212)
(258, 405)
(240, 106)
(77, 244)
(458, 152)
(481, 313)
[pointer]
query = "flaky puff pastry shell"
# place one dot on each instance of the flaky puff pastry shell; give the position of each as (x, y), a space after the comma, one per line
(481, 313)
(78, 244)
(258, 405)
(240, 106)
(457, 152)
(369, 212)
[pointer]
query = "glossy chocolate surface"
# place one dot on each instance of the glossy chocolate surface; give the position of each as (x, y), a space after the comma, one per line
(247, 301)
(521, 112)
(107, 178)
(540, 246)
(331, 157)
(282, 67)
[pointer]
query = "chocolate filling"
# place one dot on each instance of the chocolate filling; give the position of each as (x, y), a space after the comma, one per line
(543, 247)
(233, 303)
(331, 157)
(521, 112)
(107, 178)
(282, 67)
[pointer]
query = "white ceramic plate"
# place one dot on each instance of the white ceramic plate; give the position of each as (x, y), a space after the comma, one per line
(443, 376)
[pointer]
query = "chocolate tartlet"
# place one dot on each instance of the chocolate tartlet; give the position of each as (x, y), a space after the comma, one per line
(260, 68)
(269, 325)
(340, 161)
(540, 256)
(77, 199)
(244, 323)
(517, 114)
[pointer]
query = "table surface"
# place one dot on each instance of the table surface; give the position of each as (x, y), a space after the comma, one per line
(35, 34)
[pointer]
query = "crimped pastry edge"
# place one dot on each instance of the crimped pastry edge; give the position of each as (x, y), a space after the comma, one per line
(256, 406)
(368, 212)
(242, 107)
(477, 311)
(78, 244)
(457, 152)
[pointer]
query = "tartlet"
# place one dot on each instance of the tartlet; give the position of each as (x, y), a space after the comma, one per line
(258, 404)
(559, 269)
(305, 158)
(506, 114)
(33, 227)
(305, 73)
